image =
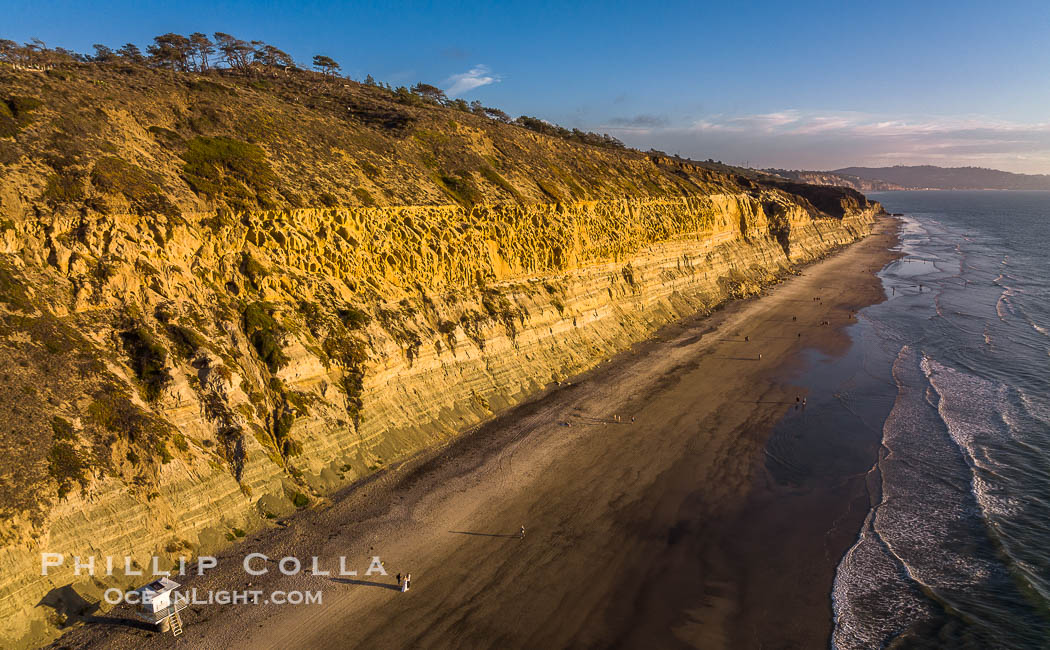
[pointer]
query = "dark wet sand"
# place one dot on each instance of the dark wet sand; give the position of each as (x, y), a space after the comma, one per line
(670, 531)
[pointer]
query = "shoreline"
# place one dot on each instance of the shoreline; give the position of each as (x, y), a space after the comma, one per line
(625, 518)
(814, 486)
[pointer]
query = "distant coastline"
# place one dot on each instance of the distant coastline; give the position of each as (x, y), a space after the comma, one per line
(958, 189)
(921, 177)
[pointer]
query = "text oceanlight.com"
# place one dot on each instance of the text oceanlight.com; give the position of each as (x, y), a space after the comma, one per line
(114, 596)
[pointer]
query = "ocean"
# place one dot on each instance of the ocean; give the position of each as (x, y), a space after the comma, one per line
(953, 371)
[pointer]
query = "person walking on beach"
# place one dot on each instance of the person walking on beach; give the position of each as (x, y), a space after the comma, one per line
(399, 580)
(521, 535)
(405, 584)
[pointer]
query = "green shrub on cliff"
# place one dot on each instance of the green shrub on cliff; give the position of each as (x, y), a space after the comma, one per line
(342, 347)
(113, 411)
(147, 356)
(62, 428)
(265, 334)
(460, 188)
(15, 114)
(283, 419)
(65, 187)
(290, 448)
(187, 341)
(350, 354)
(354, 318)
(364, 197)
(226, 169)
(501, 309)
(65, 467)
(114, 175)
(8, 125)
(397, 323)
(13, 291)
(492, 176)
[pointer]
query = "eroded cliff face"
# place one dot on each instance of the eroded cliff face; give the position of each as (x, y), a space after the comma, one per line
(178, 381)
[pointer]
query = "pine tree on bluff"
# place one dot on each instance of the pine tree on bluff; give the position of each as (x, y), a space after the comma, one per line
(131, 53)
(203, 48)
(430, 93)
(171, 51)
(236, 53)
(103, 54)
(272, 58)
(326, 65)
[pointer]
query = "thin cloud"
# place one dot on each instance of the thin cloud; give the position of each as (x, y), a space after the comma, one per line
(640, 121)
(762, 122)
(860, 124)
(828, 140)
(478, 76)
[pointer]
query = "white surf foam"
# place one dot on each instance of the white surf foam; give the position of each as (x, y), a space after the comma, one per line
(916, 537)
(873, 599)
(1038, 408)
(1003, 304)
(971, 408)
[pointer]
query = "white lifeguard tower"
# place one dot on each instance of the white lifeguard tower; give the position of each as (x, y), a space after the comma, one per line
(159, 605)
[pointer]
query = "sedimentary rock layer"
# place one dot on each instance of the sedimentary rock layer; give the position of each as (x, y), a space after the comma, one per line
(212, 374)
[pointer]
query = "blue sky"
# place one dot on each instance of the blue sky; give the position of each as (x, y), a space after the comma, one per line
(817, 85)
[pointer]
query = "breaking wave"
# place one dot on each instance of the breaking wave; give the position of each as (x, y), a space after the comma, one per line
(954, 550)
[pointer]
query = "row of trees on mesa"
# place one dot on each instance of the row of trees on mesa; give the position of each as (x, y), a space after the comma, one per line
(194, 53)
(198, 53)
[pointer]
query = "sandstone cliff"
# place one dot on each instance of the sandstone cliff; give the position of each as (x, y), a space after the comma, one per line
(199, 337)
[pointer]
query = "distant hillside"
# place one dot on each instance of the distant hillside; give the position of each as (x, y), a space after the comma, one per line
(946, 178)
(852, 181)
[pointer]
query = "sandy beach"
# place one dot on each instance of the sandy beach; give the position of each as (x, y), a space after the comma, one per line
(652, 518)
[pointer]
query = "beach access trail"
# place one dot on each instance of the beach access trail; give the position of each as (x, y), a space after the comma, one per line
(633, 523)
